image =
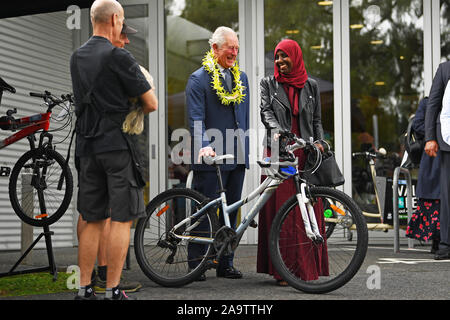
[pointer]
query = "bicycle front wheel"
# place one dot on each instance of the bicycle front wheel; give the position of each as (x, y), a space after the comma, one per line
(163, 257)
(40, 187)
(312, 267)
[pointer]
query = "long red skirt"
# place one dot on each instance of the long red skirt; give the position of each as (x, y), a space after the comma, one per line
(309, 260)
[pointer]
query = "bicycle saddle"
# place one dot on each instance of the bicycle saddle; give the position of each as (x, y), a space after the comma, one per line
(5, 86)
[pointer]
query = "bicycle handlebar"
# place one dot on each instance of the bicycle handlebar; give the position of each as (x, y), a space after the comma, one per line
(300, 144)
(39, 95)
(50, 99)
(374, 154)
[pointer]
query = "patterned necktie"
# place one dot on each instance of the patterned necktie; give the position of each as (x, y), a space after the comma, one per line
(228, 78)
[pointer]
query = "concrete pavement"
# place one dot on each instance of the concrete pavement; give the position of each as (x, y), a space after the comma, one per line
(411, 274)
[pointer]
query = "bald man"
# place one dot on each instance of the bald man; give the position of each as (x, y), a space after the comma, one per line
(104, 77)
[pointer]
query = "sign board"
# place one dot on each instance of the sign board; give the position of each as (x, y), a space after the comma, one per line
(384, 186)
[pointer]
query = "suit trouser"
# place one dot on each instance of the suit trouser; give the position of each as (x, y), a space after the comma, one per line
(444, 215)
(206, 183)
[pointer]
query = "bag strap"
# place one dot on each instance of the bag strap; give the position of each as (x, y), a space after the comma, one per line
(86, 100)
(410, 130)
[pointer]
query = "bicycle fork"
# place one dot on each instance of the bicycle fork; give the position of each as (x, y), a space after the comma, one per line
(307, 212)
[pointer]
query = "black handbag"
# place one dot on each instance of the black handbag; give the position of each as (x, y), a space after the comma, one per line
(327, 174)
(414, 144)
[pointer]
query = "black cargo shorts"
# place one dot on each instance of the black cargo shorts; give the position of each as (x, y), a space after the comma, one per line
(106, 181)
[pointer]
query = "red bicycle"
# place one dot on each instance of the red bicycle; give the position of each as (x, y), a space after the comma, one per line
(40, 183)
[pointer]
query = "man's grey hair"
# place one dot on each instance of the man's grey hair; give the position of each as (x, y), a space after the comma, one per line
(219, 36)
(102, 10)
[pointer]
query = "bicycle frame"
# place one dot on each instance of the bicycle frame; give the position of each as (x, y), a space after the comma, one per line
(266, 189)
(32, 124)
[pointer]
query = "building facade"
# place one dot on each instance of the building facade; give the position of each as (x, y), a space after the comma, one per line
(374, 60)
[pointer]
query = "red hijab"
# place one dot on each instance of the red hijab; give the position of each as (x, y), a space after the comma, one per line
(296, 79)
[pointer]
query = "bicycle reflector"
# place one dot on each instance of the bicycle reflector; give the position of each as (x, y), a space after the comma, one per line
(162, 211)
(338, 210)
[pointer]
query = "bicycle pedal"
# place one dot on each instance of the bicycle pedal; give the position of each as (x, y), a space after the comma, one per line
(5, 171)
(212, 264)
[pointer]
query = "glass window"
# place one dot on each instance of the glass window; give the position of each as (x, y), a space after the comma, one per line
(311, 25)
(445, 30)
(136, 16)
(189, 25)
(386, 61)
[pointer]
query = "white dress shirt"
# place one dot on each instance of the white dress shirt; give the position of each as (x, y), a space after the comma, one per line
(445, 115)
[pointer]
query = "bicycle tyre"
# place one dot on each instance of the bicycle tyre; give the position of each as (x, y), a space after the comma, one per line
(348, 256)
(56, 201)
(155, 252)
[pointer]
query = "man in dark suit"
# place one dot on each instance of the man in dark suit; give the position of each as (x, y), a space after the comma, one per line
(219, 125)
(434, 142)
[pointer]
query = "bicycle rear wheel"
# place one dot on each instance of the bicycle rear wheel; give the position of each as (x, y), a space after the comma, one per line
(40, 187)
(344, 258)
(165, 259)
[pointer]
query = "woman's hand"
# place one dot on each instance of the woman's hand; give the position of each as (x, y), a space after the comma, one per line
(320, 147)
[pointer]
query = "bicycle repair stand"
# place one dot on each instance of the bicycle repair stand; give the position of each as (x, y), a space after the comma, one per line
(51, 260)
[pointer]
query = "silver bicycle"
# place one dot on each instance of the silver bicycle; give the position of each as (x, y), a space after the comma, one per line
(180, 221)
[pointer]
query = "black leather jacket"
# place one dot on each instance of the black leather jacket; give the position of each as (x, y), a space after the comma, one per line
(276, 110)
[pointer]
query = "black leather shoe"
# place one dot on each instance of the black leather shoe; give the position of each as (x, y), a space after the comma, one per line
(434, 246)
(442, 254)
(229, 273)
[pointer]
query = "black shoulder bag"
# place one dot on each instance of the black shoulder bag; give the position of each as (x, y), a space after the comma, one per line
(414, 144)
(328, 173)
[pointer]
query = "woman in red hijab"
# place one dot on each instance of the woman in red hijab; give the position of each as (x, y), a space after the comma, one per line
(290, 101)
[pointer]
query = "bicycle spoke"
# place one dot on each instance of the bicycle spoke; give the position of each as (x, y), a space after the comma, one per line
(313, 267)
(168, 255)
(37, 173)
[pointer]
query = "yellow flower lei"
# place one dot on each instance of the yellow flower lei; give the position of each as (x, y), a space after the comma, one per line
(211, 66)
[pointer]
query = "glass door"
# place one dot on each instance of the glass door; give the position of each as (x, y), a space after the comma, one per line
(136, 16)
(189, 25)
(387, 72)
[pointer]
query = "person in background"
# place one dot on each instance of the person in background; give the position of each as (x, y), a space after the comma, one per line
(434, 143)
(424, 223)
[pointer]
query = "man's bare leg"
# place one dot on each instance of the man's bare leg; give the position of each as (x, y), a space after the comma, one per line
(117, 248)
(101, 256)
(88, 248)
